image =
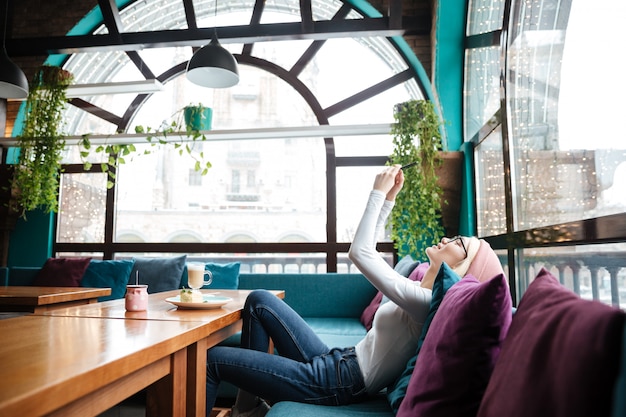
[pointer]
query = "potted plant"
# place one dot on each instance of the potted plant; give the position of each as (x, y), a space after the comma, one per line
(36, 175)
(198, 117)
(417, 219)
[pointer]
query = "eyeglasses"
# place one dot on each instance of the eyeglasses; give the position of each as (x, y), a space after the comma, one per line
(460, 239)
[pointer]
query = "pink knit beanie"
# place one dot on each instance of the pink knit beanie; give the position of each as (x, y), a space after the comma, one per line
(485, 264)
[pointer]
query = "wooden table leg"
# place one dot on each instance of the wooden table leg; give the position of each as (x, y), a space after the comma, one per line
(196, 368)
(168, 396)
(196, 378)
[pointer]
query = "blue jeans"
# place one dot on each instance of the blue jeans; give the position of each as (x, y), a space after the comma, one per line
(305, 369)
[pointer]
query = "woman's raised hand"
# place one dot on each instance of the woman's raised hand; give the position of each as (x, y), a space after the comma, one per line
(390, 181)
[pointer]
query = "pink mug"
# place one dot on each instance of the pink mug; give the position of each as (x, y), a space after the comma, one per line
(136, 297)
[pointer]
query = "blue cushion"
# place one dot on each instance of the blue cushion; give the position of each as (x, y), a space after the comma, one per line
(108, 274)
(159, 274)
(225, 276)
(337, 332)
(445, 279)
(317, 295)
(406, 265)
(377, 407)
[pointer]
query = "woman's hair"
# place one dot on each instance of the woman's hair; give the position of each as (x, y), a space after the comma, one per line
(471, 244)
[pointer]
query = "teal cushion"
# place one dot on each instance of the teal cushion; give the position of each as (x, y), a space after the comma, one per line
(225, 276)
(108, 274)
(337, 332)
(445, 279)
(376, 407)
(159, 274)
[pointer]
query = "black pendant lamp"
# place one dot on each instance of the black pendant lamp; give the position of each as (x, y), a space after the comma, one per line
(213, 66)
(13, 82)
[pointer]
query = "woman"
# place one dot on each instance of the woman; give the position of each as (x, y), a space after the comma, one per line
(307, 370)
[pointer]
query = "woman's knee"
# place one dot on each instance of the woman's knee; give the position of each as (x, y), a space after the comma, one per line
(258, 297)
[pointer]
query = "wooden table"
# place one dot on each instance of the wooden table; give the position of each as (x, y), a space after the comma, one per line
(213, 326)
(41, 299)
(73, 366)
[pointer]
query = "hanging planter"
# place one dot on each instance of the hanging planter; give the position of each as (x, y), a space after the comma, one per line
(198, 117)
(417, 219)
(36, 175)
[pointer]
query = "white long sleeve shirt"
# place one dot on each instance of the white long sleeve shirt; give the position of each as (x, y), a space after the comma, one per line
(392, 341)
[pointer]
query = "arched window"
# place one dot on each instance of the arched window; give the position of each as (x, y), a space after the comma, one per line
(278, 186)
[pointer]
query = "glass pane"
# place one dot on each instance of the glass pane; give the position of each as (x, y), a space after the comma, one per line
(490, 200)
(331, 85)
(482, 88)
(160, 60)
(93, 255)
(256, 191)
(484, 16)
(282, 53)
(569, 152)
(155, 14)
(81, 208)
(260, 100)
(353, 188)
(231, 13)
(375, 145)
(378, 109)
(95, 67)
(261, 263)
(595, 272)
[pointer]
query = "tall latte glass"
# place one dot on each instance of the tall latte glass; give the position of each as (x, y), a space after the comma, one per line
(198, 275)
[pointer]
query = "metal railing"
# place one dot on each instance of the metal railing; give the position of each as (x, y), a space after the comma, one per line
(593, 275)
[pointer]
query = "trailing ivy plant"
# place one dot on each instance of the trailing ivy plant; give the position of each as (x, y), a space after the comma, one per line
(416, 219)
(115, 154)
(41, 142)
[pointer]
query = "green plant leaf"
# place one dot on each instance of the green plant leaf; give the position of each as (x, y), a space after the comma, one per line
(416, 220)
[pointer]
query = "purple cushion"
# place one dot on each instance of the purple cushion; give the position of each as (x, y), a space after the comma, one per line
(367, 316)
(460, 350)
(61, 272)
(560, 356)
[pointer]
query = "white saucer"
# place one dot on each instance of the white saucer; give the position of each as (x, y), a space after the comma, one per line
(209, 301)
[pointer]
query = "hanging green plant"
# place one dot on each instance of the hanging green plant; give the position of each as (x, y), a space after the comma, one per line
(416, 219)
(41, 142)
(113, 155)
